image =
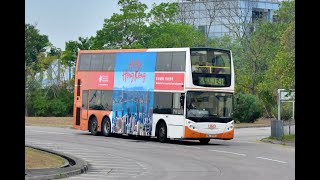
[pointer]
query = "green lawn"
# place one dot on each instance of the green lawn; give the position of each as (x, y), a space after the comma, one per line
(36, 159)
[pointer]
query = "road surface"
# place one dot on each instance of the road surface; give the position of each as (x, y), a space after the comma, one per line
(243, 158)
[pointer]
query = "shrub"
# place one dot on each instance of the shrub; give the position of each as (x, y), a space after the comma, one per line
(40, 106)
(50, 101)
(247, 108)
(58, 108)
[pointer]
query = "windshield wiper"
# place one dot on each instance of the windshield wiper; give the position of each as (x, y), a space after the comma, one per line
(207, 115)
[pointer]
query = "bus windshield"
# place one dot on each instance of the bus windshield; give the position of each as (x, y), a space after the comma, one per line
(209, 106)
(211, 67)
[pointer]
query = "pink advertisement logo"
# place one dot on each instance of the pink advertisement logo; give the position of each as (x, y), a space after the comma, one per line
(169, 81)
(100, 80)
(133, 72)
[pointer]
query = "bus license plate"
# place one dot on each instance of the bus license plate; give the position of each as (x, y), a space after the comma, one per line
(211, 135)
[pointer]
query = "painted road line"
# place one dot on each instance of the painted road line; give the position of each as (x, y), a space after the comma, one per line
(83, 177)
(48, 132)
(271, 159)
(192, 147)
(237, 141)
(228, 152)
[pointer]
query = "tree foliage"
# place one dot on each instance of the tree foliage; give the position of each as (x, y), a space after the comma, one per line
(248, 108)
(35, 43)
(264, 59)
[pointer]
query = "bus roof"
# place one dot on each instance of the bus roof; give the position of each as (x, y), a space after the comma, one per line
(145, 50)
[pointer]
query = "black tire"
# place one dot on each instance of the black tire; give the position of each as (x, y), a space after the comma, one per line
(204, 141)
(93, 126)
(106, 127)
(162, 132)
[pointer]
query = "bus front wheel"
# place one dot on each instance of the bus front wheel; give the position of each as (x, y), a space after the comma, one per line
(106, 127)
(204, 141)
(162, 132)
(93, 126)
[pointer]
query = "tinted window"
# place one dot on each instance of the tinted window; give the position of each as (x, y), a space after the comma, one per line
(84, 62)
(108, 62)
(78, 87)
(164, 60)
(178, 100)
(209, 106)
(95, 100)
(178, 61)
(211, 68)
(107, 100)
(162, 103)
(96, 62)
(84, 99)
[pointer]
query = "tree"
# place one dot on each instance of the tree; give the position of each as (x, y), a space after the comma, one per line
(211, 13)
(164, 12)
(186, 13)
(35, 45)
(70, 54)
(169, 35)
(236, 17)
(124, 30)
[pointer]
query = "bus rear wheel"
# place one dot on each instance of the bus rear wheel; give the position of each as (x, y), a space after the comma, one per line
(204, 141)
(162, 132)
(106, 127)
(93, 126)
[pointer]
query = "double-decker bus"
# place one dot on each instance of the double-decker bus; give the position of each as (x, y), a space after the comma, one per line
(168, 93)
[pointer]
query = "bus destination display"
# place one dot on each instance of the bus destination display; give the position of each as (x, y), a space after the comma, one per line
(211, 81)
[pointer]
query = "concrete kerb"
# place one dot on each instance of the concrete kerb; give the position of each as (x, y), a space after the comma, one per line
(274, 141)
(73, 166)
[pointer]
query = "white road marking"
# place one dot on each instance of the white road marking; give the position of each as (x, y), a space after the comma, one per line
(48, 132)
(228, 152)
(192, 147)
(82, 177)
(237, 141)
(271, 159)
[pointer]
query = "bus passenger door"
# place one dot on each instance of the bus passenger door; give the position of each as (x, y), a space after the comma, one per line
(84, 108)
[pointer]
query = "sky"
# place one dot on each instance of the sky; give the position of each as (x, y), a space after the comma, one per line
(66, 20)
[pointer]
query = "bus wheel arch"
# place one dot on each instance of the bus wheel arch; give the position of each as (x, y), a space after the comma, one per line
(106, 126)
(93, 125)
(161, 131)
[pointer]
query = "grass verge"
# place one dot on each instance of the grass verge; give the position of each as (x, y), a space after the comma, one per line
(36, 159)
(286, 138)
(49, 121)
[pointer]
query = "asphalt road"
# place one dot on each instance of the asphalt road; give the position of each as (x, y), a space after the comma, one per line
(243, 158)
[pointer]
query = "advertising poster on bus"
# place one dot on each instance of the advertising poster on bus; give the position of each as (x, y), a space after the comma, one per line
(133, 93)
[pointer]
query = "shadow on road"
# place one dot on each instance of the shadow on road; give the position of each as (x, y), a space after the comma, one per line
(143, 139)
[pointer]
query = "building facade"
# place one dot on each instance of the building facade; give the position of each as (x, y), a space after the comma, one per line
(216, 18)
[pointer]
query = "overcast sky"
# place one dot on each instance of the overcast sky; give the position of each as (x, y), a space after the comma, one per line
(65, 20)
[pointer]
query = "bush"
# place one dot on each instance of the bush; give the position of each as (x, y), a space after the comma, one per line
(47, 102)
(247, 108)
(58, 108)
(40, 106)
